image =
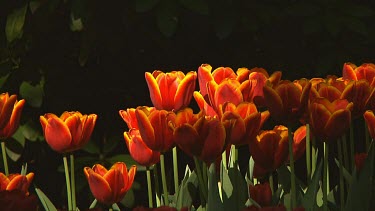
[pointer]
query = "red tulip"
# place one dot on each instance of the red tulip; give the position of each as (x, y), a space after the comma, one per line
(299, 142)
(279, 207)
(370, 121)
(10, 114)
(171, 91)
(359, 160)
(365, 71)
(16, 182)
(261, 194)
(154, 128)
(110, 186)
(270, 148)
(205, 139)
(329, 120)
(68, 133)
(17, 200)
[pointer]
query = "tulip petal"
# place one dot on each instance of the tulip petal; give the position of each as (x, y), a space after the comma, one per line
(115, 179)
(338, 123)
(7, 109)
(370, 121)
(4, 181)
(57, 135)
(153, 87)
(75, 127)
(131, 175)
(145, 129)
(204, 76)
(99, 187)
(186, 137)
(88, 128)
(273, 100)
(185, 90)
(99, 169)
(214, 141)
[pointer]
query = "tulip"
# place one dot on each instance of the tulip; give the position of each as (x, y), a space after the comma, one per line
(365, 71)
(139, 150)
(261, 194)
(279, 207)
(205, 139)
(270, 148)
(10, 114)
(171, 91)
(370, 121)
(299, 142)
(329, 120)
(17, 200)
(154, 128)
(68, 133)
(110, 186)
(16, 182)
(359, 160)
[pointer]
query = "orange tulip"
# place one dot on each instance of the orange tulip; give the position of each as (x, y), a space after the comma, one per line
(16, 181)
(154, 128)
(171, 91)
(365, 71)
(261, 193)
(329, 120)
(270, 148)
(10, 114)
(205, 139)
(68, 133)
(139, 150)
(110, 186)
(370, 121)
(299, 142)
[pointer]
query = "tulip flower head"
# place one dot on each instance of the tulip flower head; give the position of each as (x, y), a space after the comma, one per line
(261, 193)
(16, 181)
(365, 71)
(10, 115)
(110, 186)
(370, 121)
(69, 132)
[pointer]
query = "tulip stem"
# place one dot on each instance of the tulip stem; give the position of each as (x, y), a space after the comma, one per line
(313, 155)
(224, 159)
(164, 179)
(270, 179)
(367, 137)
(292, 171)
(175, 169)
(73, 183)
(325, 177)
(342, 195)
(68, 191)
(149, 188)
(200, 180)
(345, 152)
(3, 151)
(93, 204)
(351, 146)
(308, 154)
(157, 189)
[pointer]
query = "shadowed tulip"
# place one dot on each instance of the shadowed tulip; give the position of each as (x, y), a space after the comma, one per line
(261, 193)
(205, 139)
(16, 200)
(370, 121)
(10, 115)
(16, 182)
(110, 186)
(359, 160)
(153, 126)
(365, 71)
(69, 132)
(299, 142)
(171, 91)
(270, 148)
(329, 120)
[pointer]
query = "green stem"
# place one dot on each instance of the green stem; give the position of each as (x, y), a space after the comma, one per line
(224, 159)
(73, 187)
(345, 152)
(164, 179)
(367, 137)
(175, 169)
(308, 155)
(342, 195)
(292, 171)
(68, 191)
(93, 204)
(149, 188)
(200, 180)
(270, 179)
(204, 174)
(351, 147)
(313, 155)
(3, 151)
(157, 188)
(325, 177)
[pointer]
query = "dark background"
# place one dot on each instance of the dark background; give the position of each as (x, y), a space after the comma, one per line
(99, 67)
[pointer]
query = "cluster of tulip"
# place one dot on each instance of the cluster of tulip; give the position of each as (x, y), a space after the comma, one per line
(236, 108)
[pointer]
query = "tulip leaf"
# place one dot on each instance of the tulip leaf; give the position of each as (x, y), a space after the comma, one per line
(187, 190)
(14, 24)
(309, 199)
(92, 148)
(346, 174)
(31, 131)
(361, 188)
(235, 192)
(127, 159)
(14, 148)
(214, 202)
(47, 204)
(33, 94)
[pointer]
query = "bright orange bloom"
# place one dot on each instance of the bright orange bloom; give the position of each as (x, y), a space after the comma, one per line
(205, 139)
(242, 122)
(110, 186)
(287, 101)
(370, 121)
(139, 151)
(16, 181)
(153, 126)
(270, 149)
(171, 91)
(69, 132)
(365, 71)
(10, 115)
(329, 120)
(261, 193)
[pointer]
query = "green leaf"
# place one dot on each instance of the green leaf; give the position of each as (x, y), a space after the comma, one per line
(346, 174)
(14, 147)
(31, 131)
(47, 204)
(34, 5)
(199, 6)
(309, 199)
(14, 24)
(361, 188)
(110, 144)
(214, 202)
(32, 94)
(145, 5)
(91, 147)
(167, 17)
(127, 159)
(235, 190)
(187, 190)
